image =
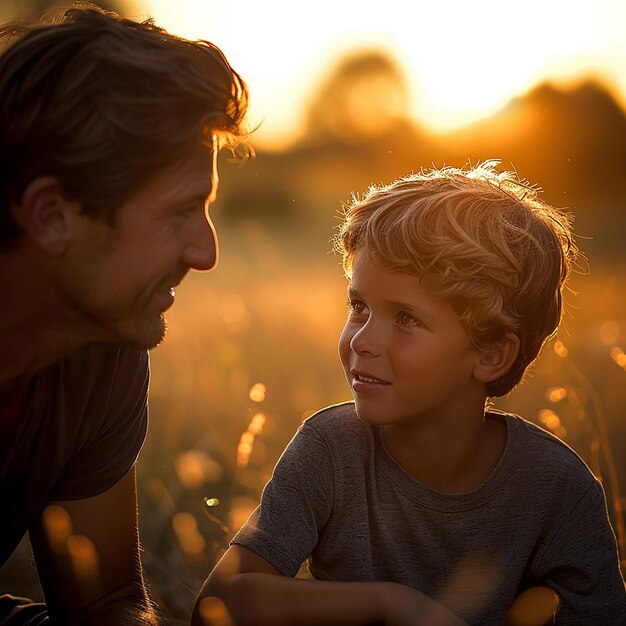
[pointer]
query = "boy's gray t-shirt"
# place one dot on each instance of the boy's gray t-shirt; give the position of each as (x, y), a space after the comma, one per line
(338, 499)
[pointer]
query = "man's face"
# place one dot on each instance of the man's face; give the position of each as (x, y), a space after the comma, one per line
(120, 279)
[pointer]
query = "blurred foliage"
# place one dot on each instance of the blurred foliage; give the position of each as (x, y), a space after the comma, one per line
(569, 141)
(251, 349)
(364, 96)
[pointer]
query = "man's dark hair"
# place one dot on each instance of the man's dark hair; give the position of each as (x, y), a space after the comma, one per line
(102, 103)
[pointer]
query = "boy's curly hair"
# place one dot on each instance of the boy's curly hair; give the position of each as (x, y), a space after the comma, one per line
(497, 252)
(103, 102)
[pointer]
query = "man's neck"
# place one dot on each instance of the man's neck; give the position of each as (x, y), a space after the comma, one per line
(34, 331)
(26, 351)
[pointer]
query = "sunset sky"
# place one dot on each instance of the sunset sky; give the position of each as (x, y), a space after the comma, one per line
(462, 60)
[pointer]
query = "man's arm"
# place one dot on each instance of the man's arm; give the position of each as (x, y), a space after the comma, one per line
(250, 591)
(87, 554)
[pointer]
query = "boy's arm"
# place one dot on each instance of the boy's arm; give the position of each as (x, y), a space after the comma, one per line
(254, 593)
(580, 562)
(87, 554)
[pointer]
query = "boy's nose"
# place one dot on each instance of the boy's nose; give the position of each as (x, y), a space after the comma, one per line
(366, 340)
(202, 250)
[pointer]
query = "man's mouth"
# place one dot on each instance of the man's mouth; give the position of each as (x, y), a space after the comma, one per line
(172, 284)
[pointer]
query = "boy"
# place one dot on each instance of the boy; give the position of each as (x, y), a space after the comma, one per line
(455, 283)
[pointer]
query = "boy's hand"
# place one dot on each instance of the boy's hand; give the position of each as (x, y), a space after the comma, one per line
(405, 606)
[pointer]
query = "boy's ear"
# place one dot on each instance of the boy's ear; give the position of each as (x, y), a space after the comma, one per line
(497, 359)
(45, 215)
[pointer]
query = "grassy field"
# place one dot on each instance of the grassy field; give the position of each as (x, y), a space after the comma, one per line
(251, 351)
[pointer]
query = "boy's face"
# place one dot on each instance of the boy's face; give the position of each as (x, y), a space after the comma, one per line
(404, 351)
(120, 279)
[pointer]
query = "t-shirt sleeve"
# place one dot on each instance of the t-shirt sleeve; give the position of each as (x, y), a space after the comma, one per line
(113, 428)
(295, 504)
(580, 562)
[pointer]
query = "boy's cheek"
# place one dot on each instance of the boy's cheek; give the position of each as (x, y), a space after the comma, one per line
(344, 346)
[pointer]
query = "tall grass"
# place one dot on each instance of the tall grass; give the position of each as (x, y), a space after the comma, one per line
(251, 352)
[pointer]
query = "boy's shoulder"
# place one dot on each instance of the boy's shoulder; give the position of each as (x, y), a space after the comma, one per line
(333, 412)
(337, 421)
(533, 449)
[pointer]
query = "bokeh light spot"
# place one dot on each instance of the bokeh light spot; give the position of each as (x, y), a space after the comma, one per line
(533, 607)
(213, 612)
(189, 538)
(549, 419)
(556, 394)
(560, 349)
(195, 467)
(58, 527)
(617, 354)
(84, 558)
(257, 392)
(609, 332)
(240, 510)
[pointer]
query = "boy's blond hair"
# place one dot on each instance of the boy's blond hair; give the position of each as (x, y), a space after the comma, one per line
(484, 239)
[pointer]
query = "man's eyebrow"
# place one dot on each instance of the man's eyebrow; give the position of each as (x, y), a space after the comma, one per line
(196, 200)
(197, 195)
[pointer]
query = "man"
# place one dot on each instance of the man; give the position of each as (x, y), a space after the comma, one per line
(109, 135)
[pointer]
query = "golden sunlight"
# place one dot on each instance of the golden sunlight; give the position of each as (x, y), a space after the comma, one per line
(461, 61)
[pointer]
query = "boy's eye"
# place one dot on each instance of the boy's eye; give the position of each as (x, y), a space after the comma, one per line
(407, 320)
(356, 308)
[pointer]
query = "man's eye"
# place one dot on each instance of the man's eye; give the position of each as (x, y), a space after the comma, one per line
(184, 210)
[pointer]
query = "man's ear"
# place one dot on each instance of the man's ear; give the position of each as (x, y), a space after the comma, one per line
(497, 359)
(45, 215)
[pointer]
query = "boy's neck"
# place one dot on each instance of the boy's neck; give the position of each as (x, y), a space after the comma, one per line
(453, 462)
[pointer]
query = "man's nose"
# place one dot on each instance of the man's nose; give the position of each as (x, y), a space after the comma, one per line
(202, 250)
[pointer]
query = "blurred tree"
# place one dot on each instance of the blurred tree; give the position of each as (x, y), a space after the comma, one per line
(363, 97)
(20, 9)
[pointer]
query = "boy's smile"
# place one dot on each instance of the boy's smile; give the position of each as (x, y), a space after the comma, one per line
(405, 352)
(362, 382)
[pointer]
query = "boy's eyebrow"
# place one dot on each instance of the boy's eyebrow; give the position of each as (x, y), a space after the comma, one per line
(397, 304)
(411, 307)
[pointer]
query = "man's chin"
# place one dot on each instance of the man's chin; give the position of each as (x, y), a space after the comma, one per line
(145, 335)
(162, 334)
(155, 336)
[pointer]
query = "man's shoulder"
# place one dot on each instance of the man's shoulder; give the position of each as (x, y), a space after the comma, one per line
(111, 372)
(99, 363)
(105, 356)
